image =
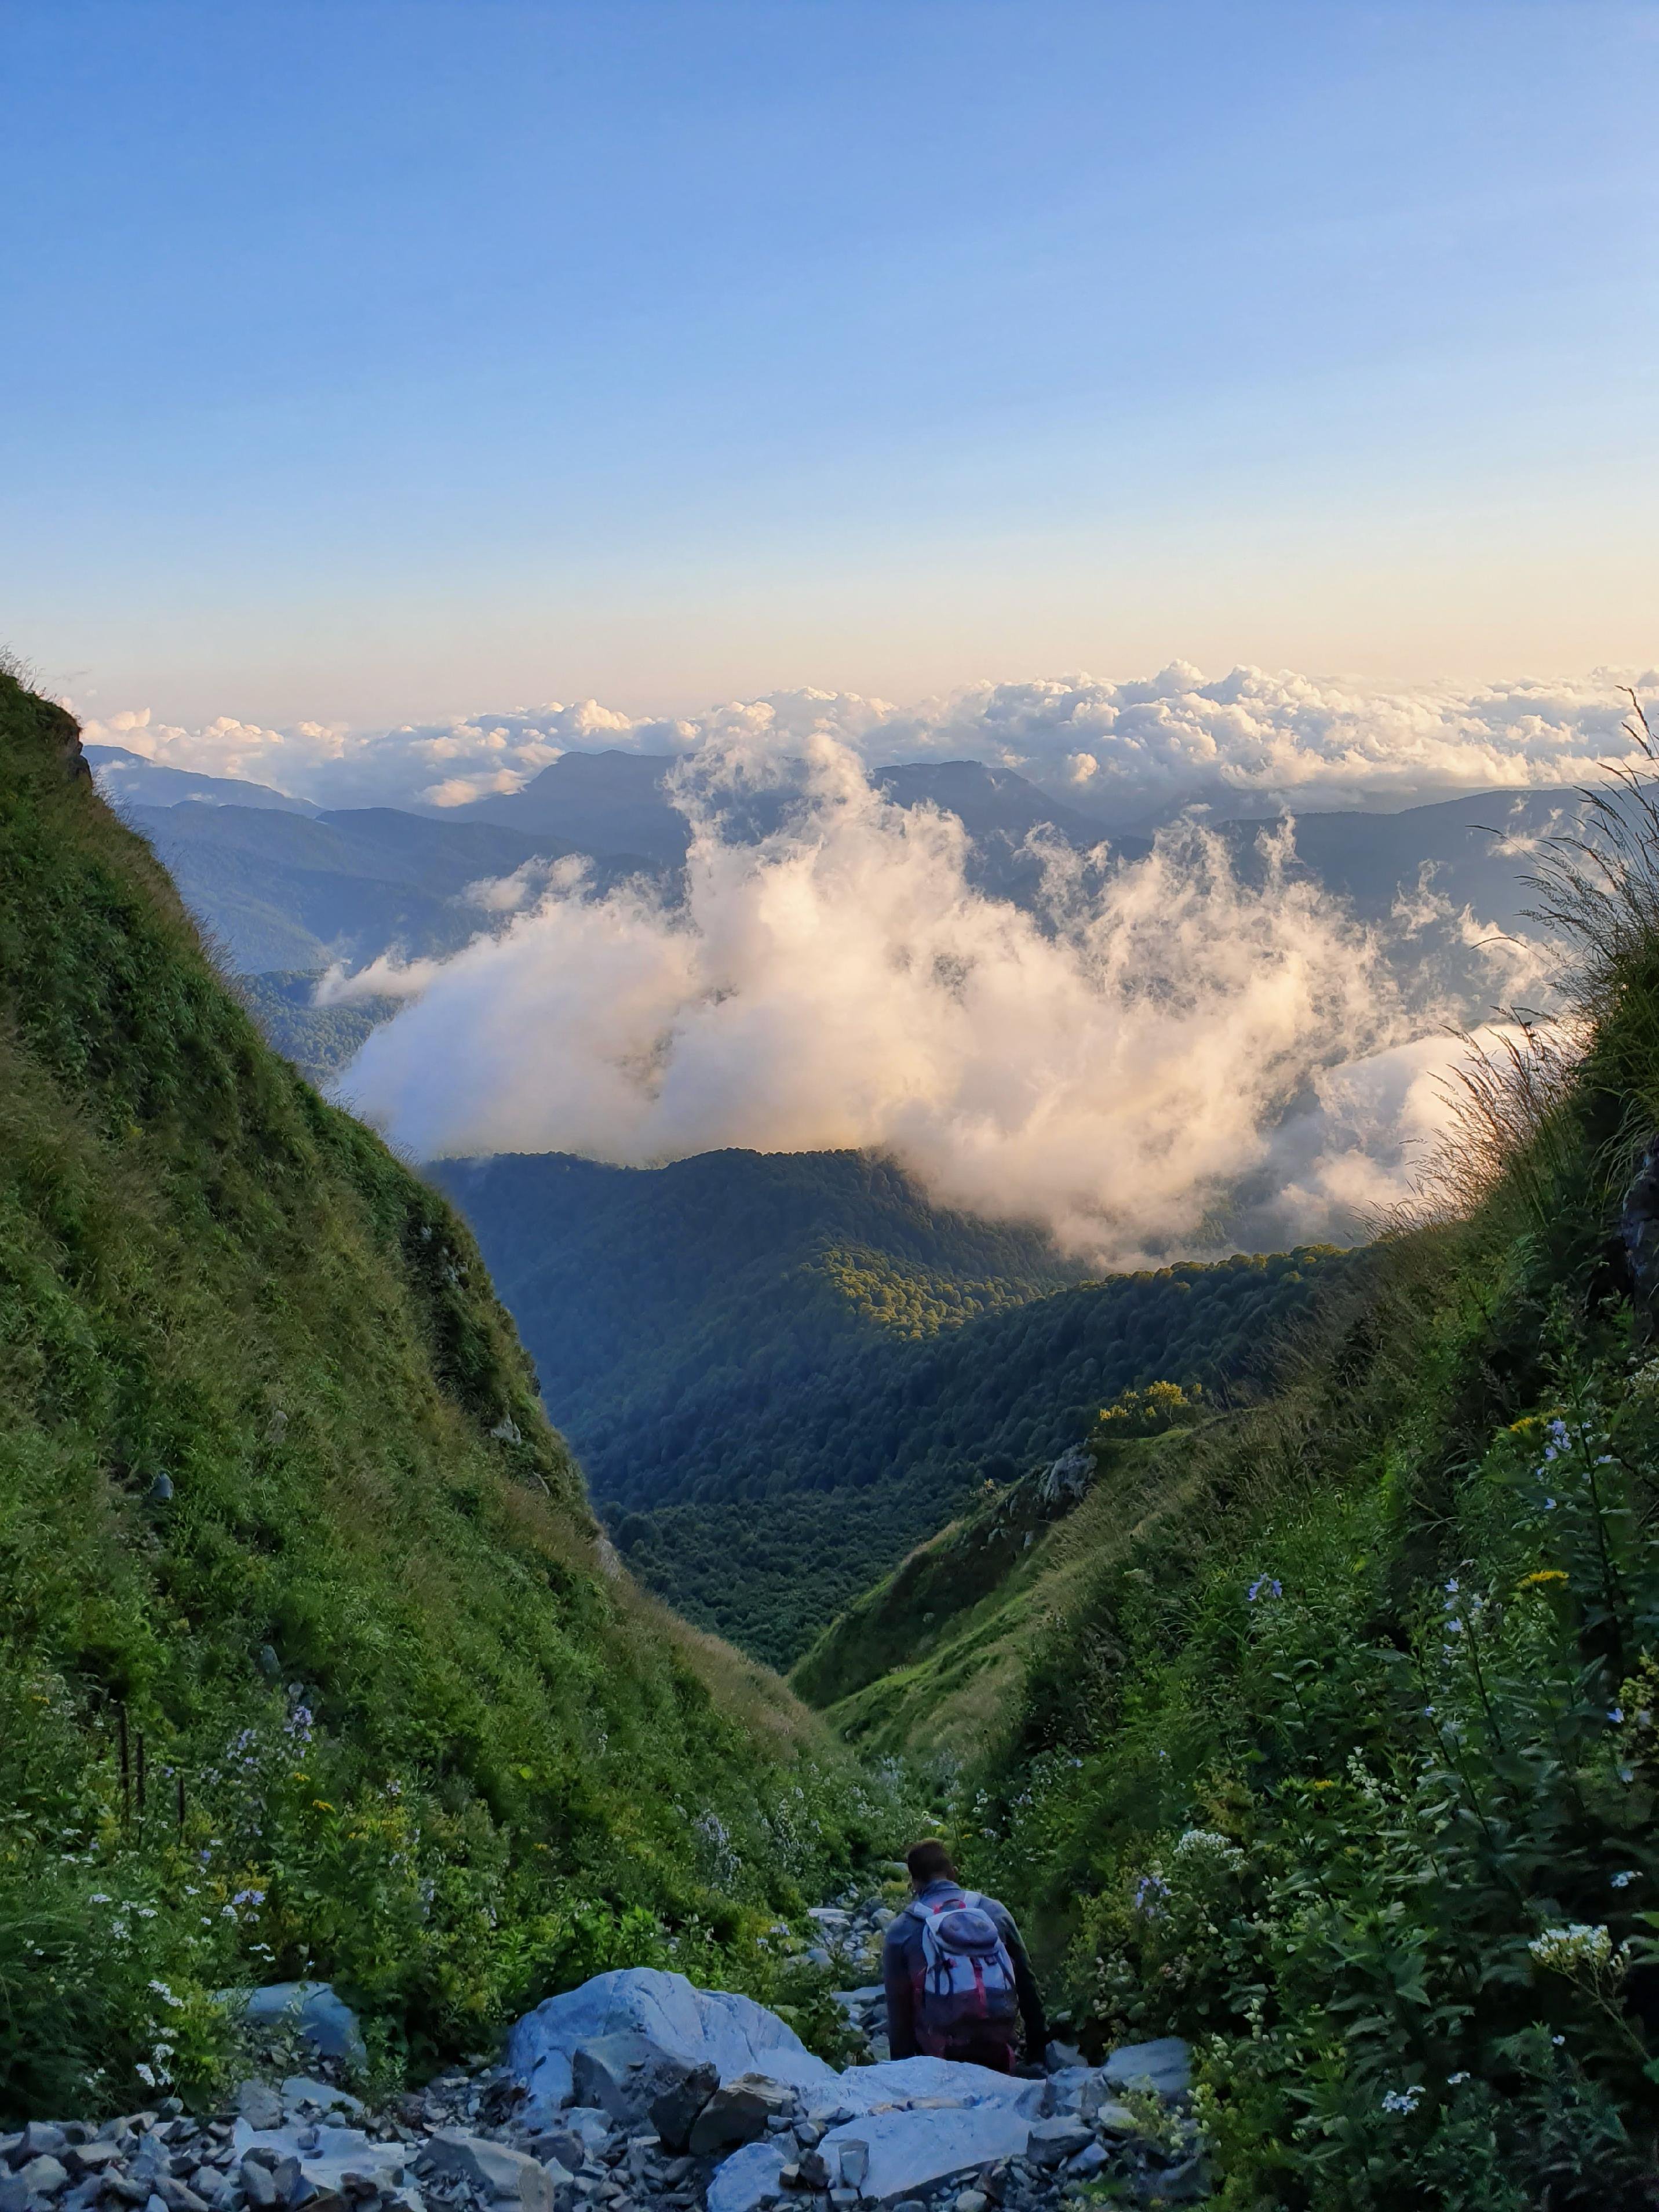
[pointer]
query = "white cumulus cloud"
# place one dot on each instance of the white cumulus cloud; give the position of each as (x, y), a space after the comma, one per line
(1114, 1064)
(1247, 741)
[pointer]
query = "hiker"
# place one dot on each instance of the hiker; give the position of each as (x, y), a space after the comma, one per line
(958, 1981)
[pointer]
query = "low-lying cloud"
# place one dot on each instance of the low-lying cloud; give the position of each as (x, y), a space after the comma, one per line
(1122, 751)
(1127, 1064)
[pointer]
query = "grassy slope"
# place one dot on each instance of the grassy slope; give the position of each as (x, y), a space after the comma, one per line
(934, 1658)
(383, 1677)
(1306, 1753)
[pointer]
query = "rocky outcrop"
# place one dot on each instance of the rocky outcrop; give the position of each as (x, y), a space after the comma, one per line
(702, 2101)
(1062, 1485)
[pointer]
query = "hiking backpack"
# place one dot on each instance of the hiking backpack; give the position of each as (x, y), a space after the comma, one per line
(968, 1993)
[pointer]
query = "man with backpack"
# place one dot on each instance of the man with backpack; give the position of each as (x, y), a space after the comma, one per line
(957, 1979)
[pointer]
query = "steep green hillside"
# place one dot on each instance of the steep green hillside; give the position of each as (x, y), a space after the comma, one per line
(933, 1660)
(804, 1335)
(1327, 1731)
(311, 1655)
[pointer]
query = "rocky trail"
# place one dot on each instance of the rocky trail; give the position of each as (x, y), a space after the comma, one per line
(639, 2093)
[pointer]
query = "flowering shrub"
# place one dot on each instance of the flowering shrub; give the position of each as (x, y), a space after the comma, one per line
(1380, 1839)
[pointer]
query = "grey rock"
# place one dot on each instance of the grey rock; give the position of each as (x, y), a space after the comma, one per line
(748, 2180)
(259, 2105)
(159, 1492)
(624, 2074)
(1053, 2141)
(92, 2158)
(674, 2113)
(39, 2139)
(1164, 2066)
(303, 2089)
(260, 2188)
(178, 2195)
(14, 2194)
(287, 2175)
(911, 2151)
(733, 2033)
(1112, 2118)
(1088, 2161)
(902, 2081)
(325, 2152)
(1068, 1480)
(972, 2200)
(490, 2168)
(737, 2112)
(1638, 1231)
(565, 2147)
(44, 2176)
(326, 2022)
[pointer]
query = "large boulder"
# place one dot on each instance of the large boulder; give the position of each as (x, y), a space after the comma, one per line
(901, 2081)
(310, 2009)
(713, 2027)
(910, 2152)
(1164, 2066)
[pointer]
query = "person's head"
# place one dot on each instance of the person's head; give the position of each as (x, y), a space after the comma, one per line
(929, 1861)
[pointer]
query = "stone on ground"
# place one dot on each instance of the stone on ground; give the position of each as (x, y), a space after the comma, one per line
(747, 2178)
(911, 2151)
(489, 2166)
(624, 2074)
(1164, 2066)
(674, 2112)
(737, 2112)
(1053, 2141)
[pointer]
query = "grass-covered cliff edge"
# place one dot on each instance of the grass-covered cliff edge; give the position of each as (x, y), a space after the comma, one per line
(1328, 1733)
(311, 1656)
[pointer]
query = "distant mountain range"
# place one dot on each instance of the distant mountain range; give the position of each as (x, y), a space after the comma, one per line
(280, 884)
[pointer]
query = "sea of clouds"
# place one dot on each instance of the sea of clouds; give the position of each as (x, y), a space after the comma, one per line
(1160, 1058)
(1165, 1059)
(1125, 752)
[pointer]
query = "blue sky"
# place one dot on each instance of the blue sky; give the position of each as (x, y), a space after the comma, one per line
(367, 363)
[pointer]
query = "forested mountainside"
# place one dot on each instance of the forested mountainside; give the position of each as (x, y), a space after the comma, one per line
(804, 1335)
(311, 1657)
(1325, 1731)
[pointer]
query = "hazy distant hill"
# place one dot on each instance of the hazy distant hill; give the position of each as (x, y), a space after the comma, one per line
(127, 779)
(284, 890)
(282, 885)
(781, 1371)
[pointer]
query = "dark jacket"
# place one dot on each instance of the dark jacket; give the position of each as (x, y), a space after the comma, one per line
(903, 1967)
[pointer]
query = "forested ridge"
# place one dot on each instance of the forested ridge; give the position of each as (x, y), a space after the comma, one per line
(805, 1335)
